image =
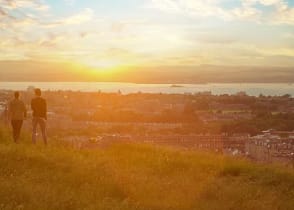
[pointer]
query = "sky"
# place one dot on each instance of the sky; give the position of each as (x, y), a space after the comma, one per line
(113, 33)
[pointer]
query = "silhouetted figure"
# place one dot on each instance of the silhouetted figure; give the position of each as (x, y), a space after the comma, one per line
(16, 113)
(39, 107)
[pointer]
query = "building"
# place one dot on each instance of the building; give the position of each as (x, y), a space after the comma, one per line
(272, 147)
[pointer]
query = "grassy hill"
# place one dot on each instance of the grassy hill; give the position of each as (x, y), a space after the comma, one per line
(131, 176)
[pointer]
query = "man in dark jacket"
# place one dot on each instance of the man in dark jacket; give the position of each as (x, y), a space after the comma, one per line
(39, 107)
(16, 113)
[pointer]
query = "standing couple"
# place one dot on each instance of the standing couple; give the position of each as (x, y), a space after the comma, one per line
(17, 113)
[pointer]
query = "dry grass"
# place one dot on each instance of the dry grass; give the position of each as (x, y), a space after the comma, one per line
(130, 176)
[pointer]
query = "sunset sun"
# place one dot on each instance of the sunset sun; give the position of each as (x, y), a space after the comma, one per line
(104, 65)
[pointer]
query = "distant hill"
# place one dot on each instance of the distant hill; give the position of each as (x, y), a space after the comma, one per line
(52, 71)
(131, 176)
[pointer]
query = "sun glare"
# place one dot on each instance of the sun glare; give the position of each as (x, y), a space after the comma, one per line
(103, 65)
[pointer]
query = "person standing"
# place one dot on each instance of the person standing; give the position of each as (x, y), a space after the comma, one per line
(16, 113)
(39, 107)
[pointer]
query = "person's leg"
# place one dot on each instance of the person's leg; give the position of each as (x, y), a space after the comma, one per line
(34, 133)
(43, 129)
(18, 129)
(13, 124)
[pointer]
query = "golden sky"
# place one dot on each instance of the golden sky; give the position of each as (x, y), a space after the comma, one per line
(112, 33)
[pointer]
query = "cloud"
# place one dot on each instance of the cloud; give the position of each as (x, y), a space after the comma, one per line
(284, 15)
(23, 4)
(246, 13)
(209, 38)
(210, 8)
(188, 7)
(28, 28)
(247, 10)
(70, 2)
(27, 32)
(3, 13)
(16, 14)
(263, 2)
(82, 17)
(19, 14)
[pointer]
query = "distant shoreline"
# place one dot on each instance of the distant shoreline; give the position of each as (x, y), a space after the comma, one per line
(149, 83)
(251, 89)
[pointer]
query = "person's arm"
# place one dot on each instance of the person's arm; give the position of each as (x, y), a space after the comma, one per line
(8, 114)
(24, 110)
(45, 107)
(33, 105)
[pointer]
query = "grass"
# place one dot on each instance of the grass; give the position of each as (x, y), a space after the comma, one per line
(133, 176)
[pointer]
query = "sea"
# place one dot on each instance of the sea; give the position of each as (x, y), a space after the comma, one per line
(253, 89)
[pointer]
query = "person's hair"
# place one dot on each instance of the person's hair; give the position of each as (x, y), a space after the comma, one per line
(16, 94)
(38, 91)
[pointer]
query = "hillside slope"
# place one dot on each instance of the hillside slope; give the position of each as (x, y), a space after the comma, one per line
(140, 177)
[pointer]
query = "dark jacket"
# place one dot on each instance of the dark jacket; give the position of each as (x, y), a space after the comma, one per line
(39, 107)
(17, 110)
